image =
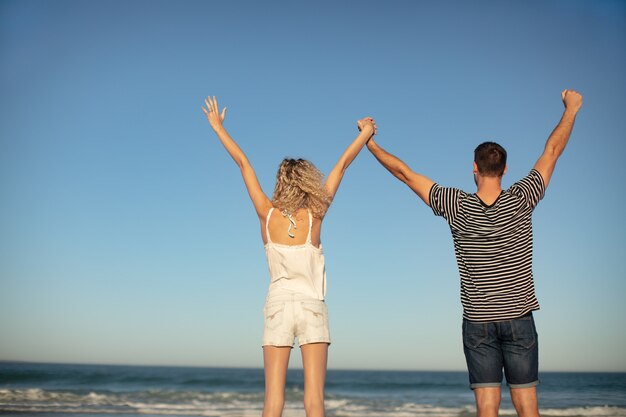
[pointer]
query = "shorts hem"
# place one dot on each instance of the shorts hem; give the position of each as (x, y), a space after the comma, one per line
(311, 341)
(276, 344)
(527, 385)
(486, 385)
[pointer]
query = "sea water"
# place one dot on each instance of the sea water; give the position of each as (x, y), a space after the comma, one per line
(28, 389)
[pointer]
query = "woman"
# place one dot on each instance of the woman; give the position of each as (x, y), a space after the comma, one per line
(291, 224)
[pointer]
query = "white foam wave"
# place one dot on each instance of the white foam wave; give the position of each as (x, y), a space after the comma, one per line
(237, 404)
(404, 410)
(605, 411)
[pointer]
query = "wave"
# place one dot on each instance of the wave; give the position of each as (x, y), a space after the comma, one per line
(240, 404)
(102, 376)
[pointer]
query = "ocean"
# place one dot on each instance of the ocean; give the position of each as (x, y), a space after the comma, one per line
(28, 389)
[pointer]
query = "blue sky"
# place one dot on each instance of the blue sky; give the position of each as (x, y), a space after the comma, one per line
(127, 234)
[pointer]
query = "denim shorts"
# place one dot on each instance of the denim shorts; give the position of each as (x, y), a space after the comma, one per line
(511, 345)
(291, 316)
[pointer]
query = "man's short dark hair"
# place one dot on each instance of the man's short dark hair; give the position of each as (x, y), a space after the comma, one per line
(490, 159)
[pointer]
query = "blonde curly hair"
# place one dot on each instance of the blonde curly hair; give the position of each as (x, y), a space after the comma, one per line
(299, 184)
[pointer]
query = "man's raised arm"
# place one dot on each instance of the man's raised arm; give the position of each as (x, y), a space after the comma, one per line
(420, 184)
(557, 141)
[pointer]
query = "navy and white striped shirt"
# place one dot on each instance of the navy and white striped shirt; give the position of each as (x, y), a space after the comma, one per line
(494, 247)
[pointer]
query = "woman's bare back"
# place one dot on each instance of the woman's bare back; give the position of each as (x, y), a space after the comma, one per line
(279, 228)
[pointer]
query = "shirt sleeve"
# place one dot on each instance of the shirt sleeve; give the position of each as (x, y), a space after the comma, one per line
(445, 202)
(530, 188)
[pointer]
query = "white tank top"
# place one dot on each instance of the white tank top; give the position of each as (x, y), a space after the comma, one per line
(295, 269)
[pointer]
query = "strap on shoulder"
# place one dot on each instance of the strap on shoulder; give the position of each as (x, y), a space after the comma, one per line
(267, 225)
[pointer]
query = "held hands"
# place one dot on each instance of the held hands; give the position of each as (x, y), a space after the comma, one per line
(367, 122)
(216, 119)
(572, 100)
(212, 113)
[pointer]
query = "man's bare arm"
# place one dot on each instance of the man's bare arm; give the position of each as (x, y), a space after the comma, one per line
(572, 100)
(420, 184)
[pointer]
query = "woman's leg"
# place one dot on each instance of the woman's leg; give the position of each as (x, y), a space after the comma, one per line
(276, 360)
(314, 359)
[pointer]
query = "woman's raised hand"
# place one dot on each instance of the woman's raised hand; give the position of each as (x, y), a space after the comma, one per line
(367, 121)
(212, 112)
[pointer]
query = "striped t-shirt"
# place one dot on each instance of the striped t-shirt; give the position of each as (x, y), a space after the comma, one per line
(494, 247)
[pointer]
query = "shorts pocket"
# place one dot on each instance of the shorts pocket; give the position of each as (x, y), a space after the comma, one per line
(524, 332)
(315, 313)
(274, 313)
(474, 333)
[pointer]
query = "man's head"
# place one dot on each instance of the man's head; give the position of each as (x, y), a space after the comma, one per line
(490, 160)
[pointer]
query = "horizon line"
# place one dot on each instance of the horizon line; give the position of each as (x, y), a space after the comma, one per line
(260, 368)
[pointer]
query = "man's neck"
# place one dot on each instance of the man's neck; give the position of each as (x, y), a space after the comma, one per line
(489, 189)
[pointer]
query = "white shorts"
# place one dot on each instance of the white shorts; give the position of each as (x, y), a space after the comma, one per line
(291, 316)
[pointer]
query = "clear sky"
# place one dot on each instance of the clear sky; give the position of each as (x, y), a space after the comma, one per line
(127, 235)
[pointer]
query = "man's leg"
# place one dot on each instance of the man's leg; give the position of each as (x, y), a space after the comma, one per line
(521, 363)
(525, 401)
(484, 364)
(487, 401)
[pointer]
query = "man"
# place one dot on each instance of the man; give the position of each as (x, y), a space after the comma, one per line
(492, 233)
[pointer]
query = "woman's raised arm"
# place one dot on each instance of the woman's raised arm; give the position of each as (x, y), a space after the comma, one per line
(367, 126)
(262, 204)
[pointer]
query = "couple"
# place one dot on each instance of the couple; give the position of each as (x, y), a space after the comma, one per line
(492, 233)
